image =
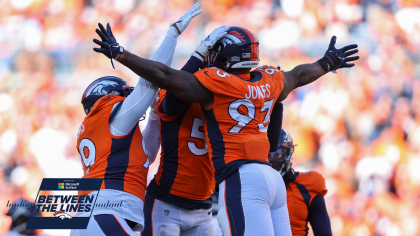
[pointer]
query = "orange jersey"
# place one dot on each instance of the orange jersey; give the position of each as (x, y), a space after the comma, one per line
(185, 168)
(119, 160)
(299, 197)
(236, 123)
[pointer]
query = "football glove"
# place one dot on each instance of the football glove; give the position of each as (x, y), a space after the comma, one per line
(183, 22)
(203, 50)
(109, 46)
(338, 58)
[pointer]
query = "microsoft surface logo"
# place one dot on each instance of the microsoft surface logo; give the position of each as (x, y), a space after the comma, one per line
(60, 185)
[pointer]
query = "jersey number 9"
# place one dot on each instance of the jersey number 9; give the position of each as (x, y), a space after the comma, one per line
(87, 150)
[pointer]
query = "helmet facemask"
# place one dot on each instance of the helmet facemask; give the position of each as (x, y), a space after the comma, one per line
(282, 158)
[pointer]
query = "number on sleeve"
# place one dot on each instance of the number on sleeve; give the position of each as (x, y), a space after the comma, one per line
(242, 119)
(87, 147)
(222, 73)
(269, 70)
(266, 107)
(196, 133)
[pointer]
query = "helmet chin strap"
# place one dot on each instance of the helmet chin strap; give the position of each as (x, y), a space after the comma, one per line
(285, 167)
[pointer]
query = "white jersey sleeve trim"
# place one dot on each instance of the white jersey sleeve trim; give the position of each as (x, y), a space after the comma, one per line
(151, 137)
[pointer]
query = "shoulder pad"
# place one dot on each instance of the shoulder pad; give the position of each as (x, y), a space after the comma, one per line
(313, 181)
(105, 101)
(215, 79)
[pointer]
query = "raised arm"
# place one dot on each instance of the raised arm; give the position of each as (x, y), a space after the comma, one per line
(307, 73)
(183, 85)
(136, 104)
(173, 106)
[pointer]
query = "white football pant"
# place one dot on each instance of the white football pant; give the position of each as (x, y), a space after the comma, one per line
(253, 201)
(105, 225)
(168, 219)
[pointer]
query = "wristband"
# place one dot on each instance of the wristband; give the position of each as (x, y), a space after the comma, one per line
(329, 62)
(120, 54)
(119, 57)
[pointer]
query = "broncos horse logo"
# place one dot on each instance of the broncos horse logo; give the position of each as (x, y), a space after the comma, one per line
(96, 88)
(62, 215)
(237, 34)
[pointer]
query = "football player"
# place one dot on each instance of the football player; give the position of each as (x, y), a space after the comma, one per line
(113, 148)
(178, 199)
(305, 191)
(237, 104)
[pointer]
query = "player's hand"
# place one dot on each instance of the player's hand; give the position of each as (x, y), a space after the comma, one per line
(203, 50)
(217, 34)
(338, 58)
(109, 46)
(183, 22)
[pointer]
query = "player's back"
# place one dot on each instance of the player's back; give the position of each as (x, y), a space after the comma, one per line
(236, 123)
(300, 194)
(119, 160)
(185, 177)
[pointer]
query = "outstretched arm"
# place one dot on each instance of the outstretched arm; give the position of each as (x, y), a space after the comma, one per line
(305, 74)
(181, 84)
(300, 75)
(173, 106)
(136, 104)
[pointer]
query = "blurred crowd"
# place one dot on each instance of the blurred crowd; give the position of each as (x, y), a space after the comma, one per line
(360, 127)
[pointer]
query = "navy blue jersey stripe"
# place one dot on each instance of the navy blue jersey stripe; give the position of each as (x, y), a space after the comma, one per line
(255, 76)
(118, 161)
(307, 198)
(148, 207)
(234, 207)
(110, 225)
(216, 141)
(169, 131)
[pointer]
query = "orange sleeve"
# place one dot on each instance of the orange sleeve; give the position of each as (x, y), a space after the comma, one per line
(163, 116)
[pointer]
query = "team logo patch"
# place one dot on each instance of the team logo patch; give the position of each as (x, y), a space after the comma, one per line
(166, 212)
(97, 87)
(62, 215)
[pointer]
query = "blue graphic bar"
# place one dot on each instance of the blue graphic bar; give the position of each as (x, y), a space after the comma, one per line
(70, 184)
(57, 223)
